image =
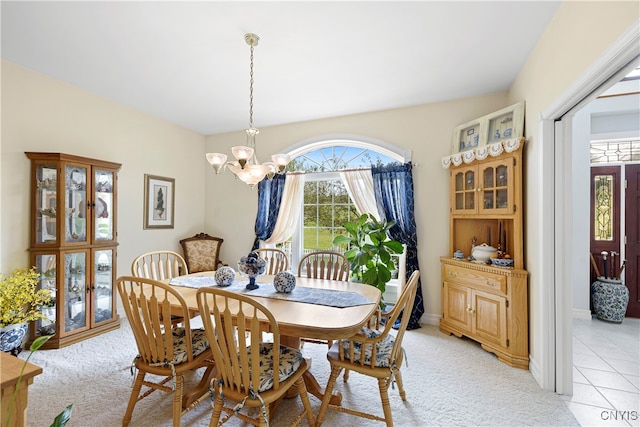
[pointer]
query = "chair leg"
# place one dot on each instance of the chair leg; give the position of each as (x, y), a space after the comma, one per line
(217, 411)
(345, 376)
(135, 392)
(398, 377)
(383, 385)
(335, 372)
(177, 400)
(304, 397)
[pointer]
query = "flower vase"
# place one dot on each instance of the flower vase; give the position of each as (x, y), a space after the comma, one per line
(11, 338)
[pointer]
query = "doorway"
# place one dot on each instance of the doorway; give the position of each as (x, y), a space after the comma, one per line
(615, 249)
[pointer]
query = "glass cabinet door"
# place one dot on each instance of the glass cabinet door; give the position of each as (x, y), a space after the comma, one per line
(103, 286)
(75, 282)
(46, 267)
(495, 191)
(75, 202)
(45, 203)
(465, 190)
(103, 205)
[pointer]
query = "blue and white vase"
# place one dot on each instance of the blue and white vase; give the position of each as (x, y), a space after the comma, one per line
(11, 337)
(610, 298)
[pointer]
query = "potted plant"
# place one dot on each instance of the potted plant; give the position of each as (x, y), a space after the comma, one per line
(20, 303)
(370, 250)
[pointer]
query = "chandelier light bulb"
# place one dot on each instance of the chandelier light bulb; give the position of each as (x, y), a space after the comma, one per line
(217, 161)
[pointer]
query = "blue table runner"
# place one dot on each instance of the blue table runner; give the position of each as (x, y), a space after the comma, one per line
(328, 297)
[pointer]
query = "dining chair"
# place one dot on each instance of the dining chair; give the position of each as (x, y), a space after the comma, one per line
(373, 353)
(160, 265)
(202, 252)
(252, 373)
(164, 350)
(324, 265)
(277, 260)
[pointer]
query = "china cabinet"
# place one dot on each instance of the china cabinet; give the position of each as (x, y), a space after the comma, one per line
(483, 301)
(73, 244)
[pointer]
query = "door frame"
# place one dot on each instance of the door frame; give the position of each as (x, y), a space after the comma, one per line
(556, 137)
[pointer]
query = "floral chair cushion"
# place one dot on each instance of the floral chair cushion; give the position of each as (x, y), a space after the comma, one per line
(383, 348)
(290, 361)
(199, 344)
(201, 255)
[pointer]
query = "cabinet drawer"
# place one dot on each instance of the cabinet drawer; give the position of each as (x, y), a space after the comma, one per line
(482, 279)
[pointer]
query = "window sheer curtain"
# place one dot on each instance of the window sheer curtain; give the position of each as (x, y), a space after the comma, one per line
(393, 188)
(359, 184)
(285, 221)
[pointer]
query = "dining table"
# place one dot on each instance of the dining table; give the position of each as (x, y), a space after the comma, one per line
(316, 308)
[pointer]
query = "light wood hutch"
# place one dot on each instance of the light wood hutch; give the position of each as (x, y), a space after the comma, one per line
(73, 245)
(481, 301)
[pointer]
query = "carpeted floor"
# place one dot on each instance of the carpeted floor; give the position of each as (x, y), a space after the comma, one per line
(449, 382)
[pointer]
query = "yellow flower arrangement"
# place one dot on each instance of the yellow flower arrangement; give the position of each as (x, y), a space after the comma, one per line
(20, 300)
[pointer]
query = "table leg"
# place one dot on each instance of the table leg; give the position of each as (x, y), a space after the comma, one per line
(310, 382)
(195, 396)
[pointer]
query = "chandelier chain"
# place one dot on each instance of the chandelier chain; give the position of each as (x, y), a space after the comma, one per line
(251, 90)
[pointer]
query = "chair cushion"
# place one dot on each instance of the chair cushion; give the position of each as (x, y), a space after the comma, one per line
(383, 348)
(201, 255)
(199, 344)
(290, 361)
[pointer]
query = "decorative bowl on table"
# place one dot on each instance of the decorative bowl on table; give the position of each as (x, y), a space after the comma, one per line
(225, 276)
(284, 282)
(502, 262)
(251, 266)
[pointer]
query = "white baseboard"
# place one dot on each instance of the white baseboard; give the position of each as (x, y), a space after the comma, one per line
(430, 319)
(581, 314)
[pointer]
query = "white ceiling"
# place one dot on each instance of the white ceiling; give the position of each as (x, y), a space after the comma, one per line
(187, 62)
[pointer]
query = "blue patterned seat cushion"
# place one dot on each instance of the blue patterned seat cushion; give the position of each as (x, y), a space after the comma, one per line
(290, 361)
(383, 348)
(199, 344)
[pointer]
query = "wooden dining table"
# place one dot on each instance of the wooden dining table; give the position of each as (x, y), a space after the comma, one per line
(298, 320)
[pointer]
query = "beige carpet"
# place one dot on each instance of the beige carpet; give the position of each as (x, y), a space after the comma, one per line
(449, 381)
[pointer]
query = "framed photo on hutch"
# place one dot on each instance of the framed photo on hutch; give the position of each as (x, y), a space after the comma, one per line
(159, 204)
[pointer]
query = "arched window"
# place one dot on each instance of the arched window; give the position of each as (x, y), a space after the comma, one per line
(326, 203)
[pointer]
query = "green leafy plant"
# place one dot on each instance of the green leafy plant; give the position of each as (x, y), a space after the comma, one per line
(369, 250)
(62, 418)
(20, 300)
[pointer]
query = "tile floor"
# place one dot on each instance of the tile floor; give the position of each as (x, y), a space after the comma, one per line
(606, 373)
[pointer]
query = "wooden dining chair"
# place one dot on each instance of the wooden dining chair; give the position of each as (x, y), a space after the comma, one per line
(324, 265)
(252, 373)
(374, 353)
(160, 265)
(202, 252)
(163, 349)
(277, 260)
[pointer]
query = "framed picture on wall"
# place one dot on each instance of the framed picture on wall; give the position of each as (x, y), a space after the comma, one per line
(506, 123)
(159, 204)
(468, 136)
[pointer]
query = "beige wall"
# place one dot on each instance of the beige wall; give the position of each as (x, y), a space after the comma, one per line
(43, 114)
(426, 130)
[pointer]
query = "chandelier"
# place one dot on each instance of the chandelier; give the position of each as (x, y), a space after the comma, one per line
(246, 166)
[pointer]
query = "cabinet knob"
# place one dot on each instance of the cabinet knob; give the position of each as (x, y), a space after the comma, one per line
(453, 274)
